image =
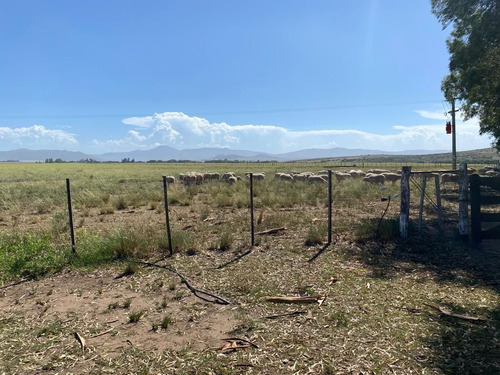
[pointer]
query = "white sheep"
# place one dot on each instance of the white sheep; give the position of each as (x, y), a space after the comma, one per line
(391, 177)
(259, 176)
(170, 179)
(226, 175)
(341, 176)
(357, 173)
(374, 178)
(286, 177)
(299, 177)
(316, 179)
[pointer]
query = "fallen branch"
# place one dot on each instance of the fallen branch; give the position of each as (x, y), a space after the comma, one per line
(197, 292)
(235, 259)
(271, 231)
(104, 333)
(449, 313)
(295, 313)
(284, 299)
(16, 283)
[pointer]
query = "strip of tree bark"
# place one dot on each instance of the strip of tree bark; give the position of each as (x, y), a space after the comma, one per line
(271, 231)
(458, 316)
(285, 299)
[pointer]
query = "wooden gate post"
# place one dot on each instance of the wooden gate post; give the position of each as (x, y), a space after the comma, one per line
(404, 216)
(463, 201)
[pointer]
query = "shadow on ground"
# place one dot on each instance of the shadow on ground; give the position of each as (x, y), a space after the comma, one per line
(460, 346)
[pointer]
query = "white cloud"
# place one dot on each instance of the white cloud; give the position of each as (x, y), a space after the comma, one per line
(182, 131)
(36, 137)
(179, 130)
(432, 115)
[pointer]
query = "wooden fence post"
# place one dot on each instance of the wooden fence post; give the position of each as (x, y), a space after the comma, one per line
(167, 219)
(404, 216)
(421, 206)
(329, 206)
(252, 226)
(463, 201)
(70, 212)
(475, 208)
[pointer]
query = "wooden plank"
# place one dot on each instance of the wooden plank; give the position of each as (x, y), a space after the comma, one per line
(490, 217)
(421, 206)
(492, 233)
(492, 182)
(490, 199)
(463, 202)
(475, 208)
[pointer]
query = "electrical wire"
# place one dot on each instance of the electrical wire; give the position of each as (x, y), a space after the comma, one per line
(239, 112)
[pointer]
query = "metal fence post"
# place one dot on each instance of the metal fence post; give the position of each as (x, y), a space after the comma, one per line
(70, 212)
(167, 219)
(252, 227)
(329, 206)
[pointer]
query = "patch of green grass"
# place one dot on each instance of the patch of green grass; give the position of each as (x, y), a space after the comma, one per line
(166, 321)
(30, 255)
(134, 317)
(181, 240)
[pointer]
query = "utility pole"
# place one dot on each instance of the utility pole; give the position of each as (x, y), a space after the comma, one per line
(453, 135)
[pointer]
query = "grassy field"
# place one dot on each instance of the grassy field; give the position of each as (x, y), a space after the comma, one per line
(375, 298)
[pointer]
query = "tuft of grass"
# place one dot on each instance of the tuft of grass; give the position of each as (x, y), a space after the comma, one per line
(181, 241)
(134, 317)
(107, 209)
(126, 304)
(315, 235)
(166, 321)
(226, 240)
(59, 224)
(120, 203)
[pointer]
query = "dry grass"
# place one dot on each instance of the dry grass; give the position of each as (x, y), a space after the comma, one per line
(374, 318)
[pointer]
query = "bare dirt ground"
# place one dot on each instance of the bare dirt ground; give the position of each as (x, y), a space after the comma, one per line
(98, 306)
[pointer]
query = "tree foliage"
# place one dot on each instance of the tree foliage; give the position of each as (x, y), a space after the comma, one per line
(474, 46)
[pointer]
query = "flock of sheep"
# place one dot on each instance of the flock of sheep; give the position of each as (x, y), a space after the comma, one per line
(376, 176)
(372, 176)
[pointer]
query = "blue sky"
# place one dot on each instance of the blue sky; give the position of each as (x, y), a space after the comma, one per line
(274, 76)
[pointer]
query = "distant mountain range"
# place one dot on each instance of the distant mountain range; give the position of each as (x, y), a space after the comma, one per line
(165, 153)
